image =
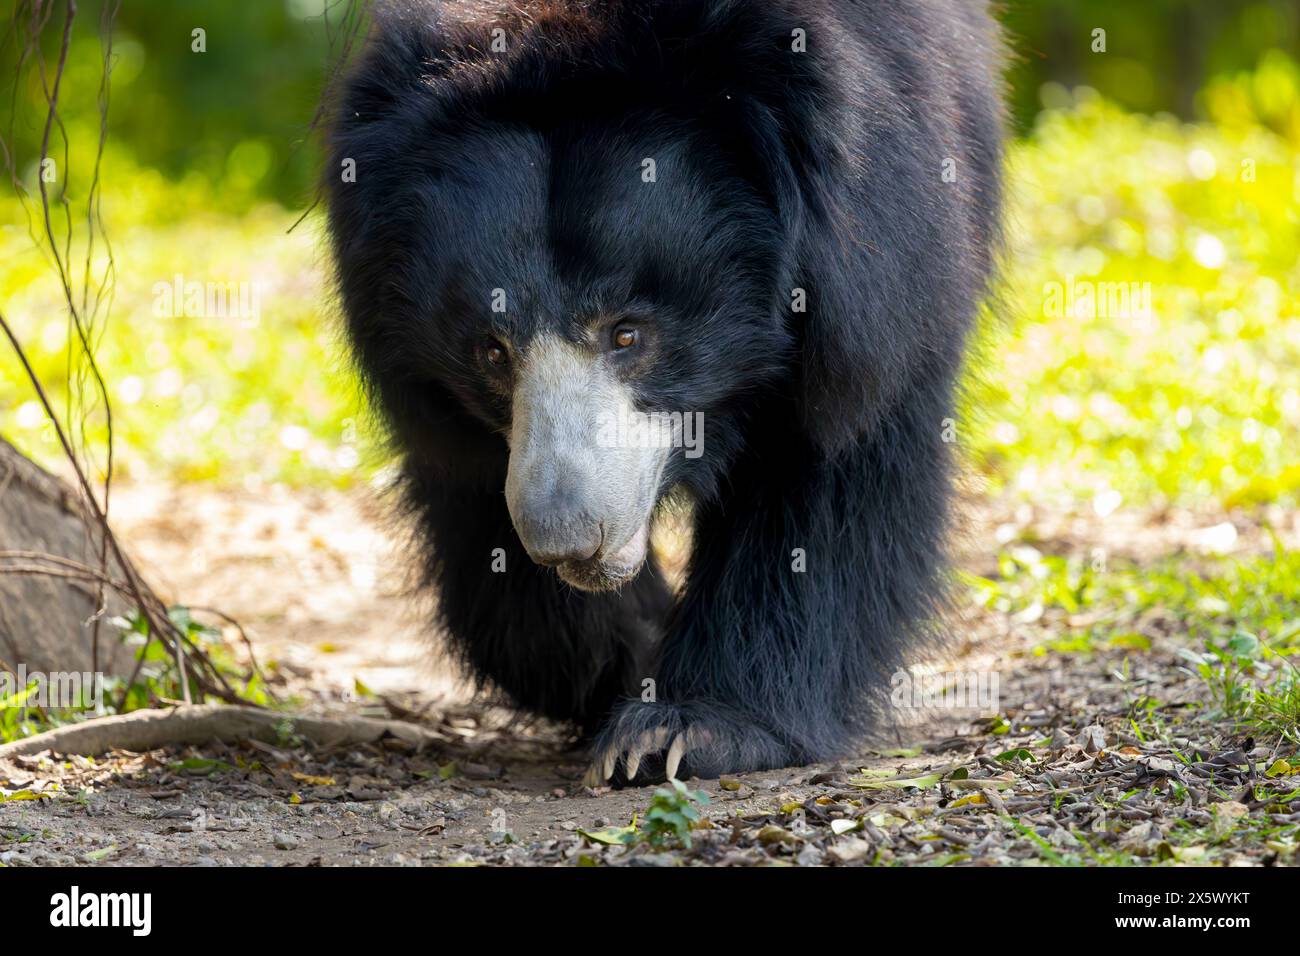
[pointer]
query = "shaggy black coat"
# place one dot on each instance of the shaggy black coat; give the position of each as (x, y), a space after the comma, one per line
(813, 253)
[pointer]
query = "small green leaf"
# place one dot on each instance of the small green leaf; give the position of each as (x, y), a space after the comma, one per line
(1244, 645)
(24, 794)
(898, 783)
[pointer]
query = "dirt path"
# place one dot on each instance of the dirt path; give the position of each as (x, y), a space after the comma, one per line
(1066, 774)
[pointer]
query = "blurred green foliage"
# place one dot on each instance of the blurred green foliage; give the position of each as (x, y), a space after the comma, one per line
(1158, 54)
(1194, 398)
(262, 395)
(1195, 394)
(1130, 606)
(237, 115)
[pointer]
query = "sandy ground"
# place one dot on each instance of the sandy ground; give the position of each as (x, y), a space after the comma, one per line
(317, 577)
(316, 580)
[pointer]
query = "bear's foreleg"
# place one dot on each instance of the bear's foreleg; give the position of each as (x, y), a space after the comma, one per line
(807, 584)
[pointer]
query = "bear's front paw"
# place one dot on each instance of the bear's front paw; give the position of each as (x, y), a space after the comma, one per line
(646, 743)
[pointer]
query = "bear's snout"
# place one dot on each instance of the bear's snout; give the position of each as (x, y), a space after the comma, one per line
(579, 502)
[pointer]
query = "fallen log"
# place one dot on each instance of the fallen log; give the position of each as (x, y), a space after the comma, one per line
(143, 730)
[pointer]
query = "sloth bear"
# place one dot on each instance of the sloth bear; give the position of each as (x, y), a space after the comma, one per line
(566, 233)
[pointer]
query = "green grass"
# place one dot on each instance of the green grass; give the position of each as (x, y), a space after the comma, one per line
(1126, 605)
(1236, 622)
(259, 397)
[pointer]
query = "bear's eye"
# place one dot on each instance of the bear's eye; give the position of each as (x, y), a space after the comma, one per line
(625, 337)
(495, 353)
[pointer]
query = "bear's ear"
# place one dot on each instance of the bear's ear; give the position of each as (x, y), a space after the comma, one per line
(839, 346)
(884, 259)
(861, 227)
(881, 266)
(847, 287)
(886, 297)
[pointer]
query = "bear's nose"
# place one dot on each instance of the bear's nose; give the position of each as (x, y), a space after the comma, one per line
(553, 533)
(554, 553)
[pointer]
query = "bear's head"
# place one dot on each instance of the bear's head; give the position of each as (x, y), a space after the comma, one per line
(569, 265)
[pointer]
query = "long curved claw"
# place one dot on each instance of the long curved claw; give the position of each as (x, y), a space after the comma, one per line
(649, 740)
(601, 769)
(675, 754)
(690, 739)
